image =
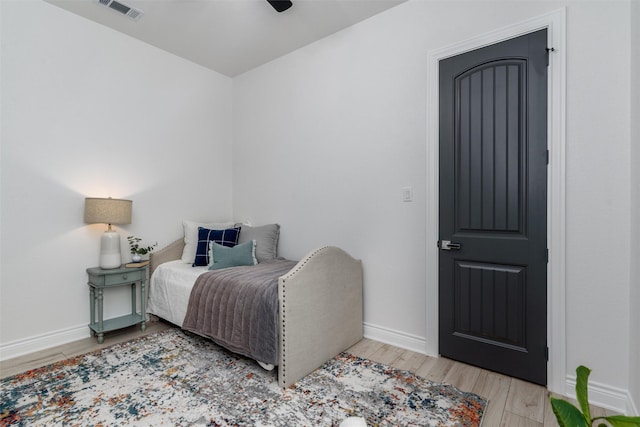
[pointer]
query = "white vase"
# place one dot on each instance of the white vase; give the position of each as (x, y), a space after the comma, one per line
(135, 258)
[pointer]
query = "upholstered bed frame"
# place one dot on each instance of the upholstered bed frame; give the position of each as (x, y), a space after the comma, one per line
(320, 308)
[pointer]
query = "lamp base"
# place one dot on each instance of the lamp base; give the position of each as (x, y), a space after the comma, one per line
(110, 250)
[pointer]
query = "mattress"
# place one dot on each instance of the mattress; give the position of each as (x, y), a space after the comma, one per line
(169, 290)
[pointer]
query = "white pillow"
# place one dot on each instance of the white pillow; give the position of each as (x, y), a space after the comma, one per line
(191, 236)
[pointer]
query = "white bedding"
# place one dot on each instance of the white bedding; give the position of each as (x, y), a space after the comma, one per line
(170, 288)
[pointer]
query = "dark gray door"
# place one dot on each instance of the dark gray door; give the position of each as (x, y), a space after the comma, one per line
(493, 207)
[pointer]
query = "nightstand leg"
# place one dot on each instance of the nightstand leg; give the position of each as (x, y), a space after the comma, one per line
(100, 321)
(92, 308)
(133, 298)
(143, 304)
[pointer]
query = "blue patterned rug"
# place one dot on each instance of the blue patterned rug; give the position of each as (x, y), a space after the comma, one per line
(174, 379)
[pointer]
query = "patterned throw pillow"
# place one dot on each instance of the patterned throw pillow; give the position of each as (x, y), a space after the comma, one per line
(191, 236)
(227, 237)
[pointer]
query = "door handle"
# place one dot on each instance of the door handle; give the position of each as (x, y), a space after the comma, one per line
(448, 246)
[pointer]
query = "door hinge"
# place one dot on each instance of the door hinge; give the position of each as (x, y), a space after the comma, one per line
(547, 156)
(546, 353)
(549, 49)
(546, 255)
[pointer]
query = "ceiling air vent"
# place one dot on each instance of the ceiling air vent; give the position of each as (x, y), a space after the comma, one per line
(122, 9)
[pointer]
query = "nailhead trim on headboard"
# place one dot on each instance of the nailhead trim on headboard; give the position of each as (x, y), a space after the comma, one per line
(283, 302)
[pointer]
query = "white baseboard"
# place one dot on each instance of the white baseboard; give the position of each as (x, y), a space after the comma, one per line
(41, 342)
(605, 396)
(395, 338)
(633, 408)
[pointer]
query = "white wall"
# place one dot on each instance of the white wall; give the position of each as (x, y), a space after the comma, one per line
(326, 137)
(87, 111)
(598, 185)
(635, 206)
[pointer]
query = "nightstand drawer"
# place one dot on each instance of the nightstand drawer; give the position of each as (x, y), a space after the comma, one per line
(102, 278)
(133, 276)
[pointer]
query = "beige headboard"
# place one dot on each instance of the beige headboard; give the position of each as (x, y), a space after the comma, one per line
(170, 252)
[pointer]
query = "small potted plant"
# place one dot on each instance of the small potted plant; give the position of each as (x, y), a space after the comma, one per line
(137, 250)
(569, 415)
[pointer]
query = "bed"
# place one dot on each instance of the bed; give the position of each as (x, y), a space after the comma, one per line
(315, 305)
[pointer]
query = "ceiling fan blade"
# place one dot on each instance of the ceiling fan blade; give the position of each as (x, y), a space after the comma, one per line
(280, 5)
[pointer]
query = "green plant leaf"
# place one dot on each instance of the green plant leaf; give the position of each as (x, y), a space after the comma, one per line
(567, 414)
(581, 390)
(623, 421)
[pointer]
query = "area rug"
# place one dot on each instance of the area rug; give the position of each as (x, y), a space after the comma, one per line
(175, 379)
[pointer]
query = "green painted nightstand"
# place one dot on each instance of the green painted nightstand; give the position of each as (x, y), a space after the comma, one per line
(99, 280)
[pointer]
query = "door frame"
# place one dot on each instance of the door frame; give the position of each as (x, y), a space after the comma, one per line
(555, 23)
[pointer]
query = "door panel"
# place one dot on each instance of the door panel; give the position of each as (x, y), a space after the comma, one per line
(493, 203)
(490, 301)
(489, 147)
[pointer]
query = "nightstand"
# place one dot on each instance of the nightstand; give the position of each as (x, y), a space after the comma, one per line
(101, 279)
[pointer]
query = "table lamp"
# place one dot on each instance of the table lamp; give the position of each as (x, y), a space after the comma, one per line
(108, 211)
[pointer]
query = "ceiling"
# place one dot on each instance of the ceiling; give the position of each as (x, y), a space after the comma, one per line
(229, 36)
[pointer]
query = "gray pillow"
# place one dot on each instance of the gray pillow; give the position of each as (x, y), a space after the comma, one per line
(266, 237)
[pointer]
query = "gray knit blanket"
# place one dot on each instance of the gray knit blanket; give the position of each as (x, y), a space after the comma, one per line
(237, 308)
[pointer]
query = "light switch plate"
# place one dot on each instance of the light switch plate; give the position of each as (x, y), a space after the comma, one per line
(407, 194)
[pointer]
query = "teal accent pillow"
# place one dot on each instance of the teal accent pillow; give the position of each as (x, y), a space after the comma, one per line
(224, 256)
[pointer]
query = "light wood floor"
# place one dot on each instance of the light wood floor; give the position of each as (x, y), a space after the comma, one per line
(512, 402)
